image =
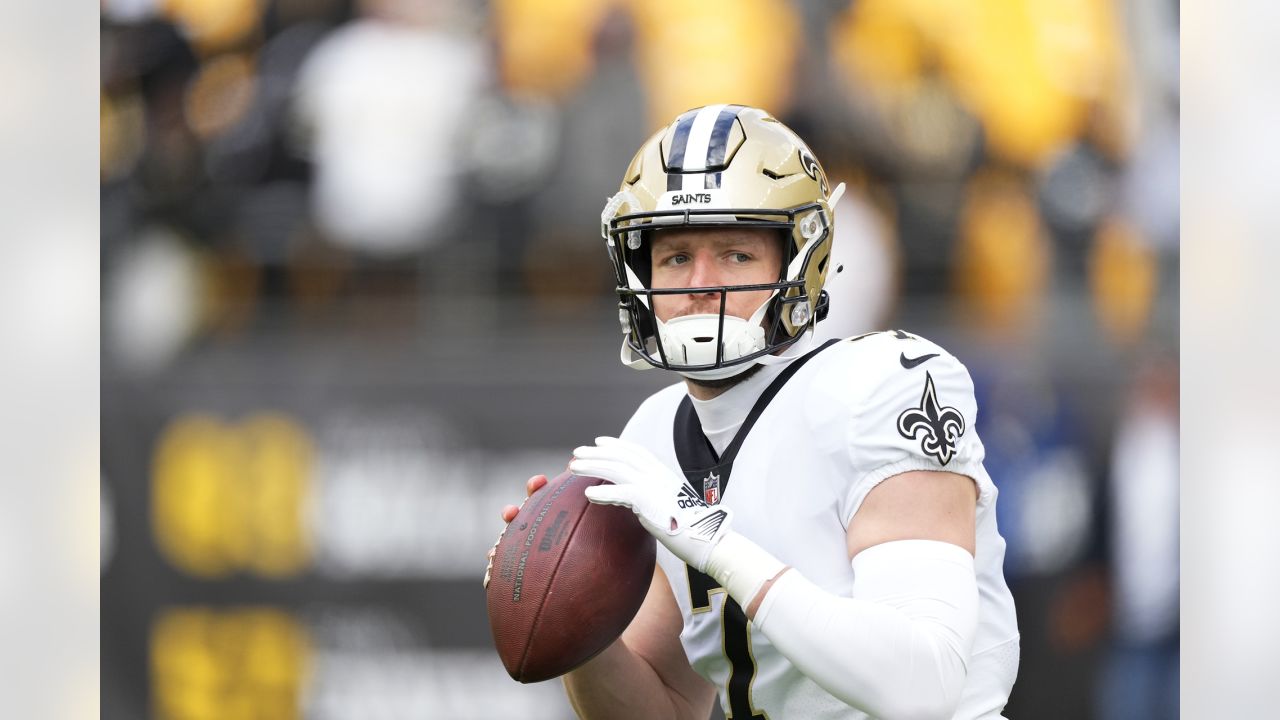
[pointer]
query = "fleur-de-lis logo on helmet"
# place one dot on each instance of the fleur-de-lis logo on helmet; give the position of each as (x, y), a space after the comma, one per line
(941, 426)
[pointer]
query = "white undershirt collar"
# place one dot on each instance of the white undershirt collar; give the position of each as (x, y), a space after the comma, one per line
(722, 415)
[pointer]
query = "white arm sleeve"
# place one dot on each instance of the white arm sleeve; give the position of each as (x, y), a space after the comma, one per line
(899, 647)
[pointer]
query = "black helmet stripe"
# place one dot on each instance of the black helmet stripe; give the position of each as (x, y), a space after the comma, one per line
(680, 141)
(720, 137)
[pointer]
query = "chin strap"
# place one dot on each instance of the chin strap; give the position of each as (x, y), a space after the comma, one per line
(806, 343)
(694, 340)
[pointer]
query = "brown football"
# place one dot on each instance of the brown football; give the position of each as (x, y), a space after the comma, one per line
(567, 578)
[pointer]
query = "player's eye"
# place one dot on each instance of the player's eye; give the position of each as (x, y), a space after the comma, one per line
(676, 259)
(740, 257)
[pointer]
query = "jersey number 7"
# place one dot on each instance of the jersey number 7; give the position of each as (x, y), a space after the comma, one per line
(737, 644)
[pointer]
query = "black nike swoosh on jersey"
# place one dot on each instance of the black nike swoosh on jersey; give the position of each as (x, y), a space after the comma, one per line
(909, 363)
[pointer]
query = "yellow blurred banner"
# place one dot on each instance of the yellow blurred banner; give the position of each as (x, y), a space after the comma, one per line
(230, 498)
(235, 664)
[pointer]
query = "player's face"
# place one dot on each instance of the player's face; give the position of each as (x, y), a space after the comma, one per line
(711, 257)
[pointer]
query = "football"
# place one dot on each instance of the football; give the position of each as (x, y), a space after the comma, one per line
(567, 578)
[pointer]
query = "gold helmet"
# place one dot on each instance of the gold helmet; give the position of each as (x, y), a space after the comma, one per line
(721, 166)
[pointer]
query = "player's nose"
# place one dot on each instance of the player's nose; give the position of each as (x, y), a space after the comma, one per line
(704, 273)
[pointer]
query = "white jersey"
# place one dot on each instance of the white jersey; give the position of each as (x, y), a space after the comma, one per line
(858, 412)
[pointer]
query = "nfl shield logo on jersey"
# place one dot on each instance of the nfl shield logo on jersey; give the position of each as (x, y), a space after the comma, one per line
(711, 489)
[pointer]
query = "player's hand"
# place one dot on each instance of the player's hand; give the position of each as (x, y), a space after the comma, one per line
(667, 507)
(509, 512)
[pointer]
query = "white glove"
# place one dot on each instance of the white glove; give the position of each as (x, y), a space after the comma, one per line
(667, 507)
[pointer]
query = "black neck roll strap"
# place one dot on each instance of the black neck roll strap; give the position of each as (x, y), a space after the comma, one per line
(697, 457)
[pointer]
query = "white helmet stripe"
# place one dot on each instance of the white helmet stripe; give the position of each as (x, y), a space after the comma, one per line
(695, 153)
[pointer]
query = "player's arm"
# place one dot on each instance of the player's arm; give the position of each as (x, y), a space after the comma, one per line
(644, 674)
(899, 645)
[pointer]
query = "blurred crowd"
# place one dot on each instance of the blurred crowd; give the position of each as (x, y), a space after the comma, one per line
(281, 168)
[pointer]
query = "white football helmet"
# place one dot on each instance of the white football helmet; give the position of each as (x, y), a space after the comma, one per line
(721, 166)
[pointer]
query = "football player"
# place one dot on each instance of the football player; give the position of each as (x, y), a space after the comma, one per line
(827, 532)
